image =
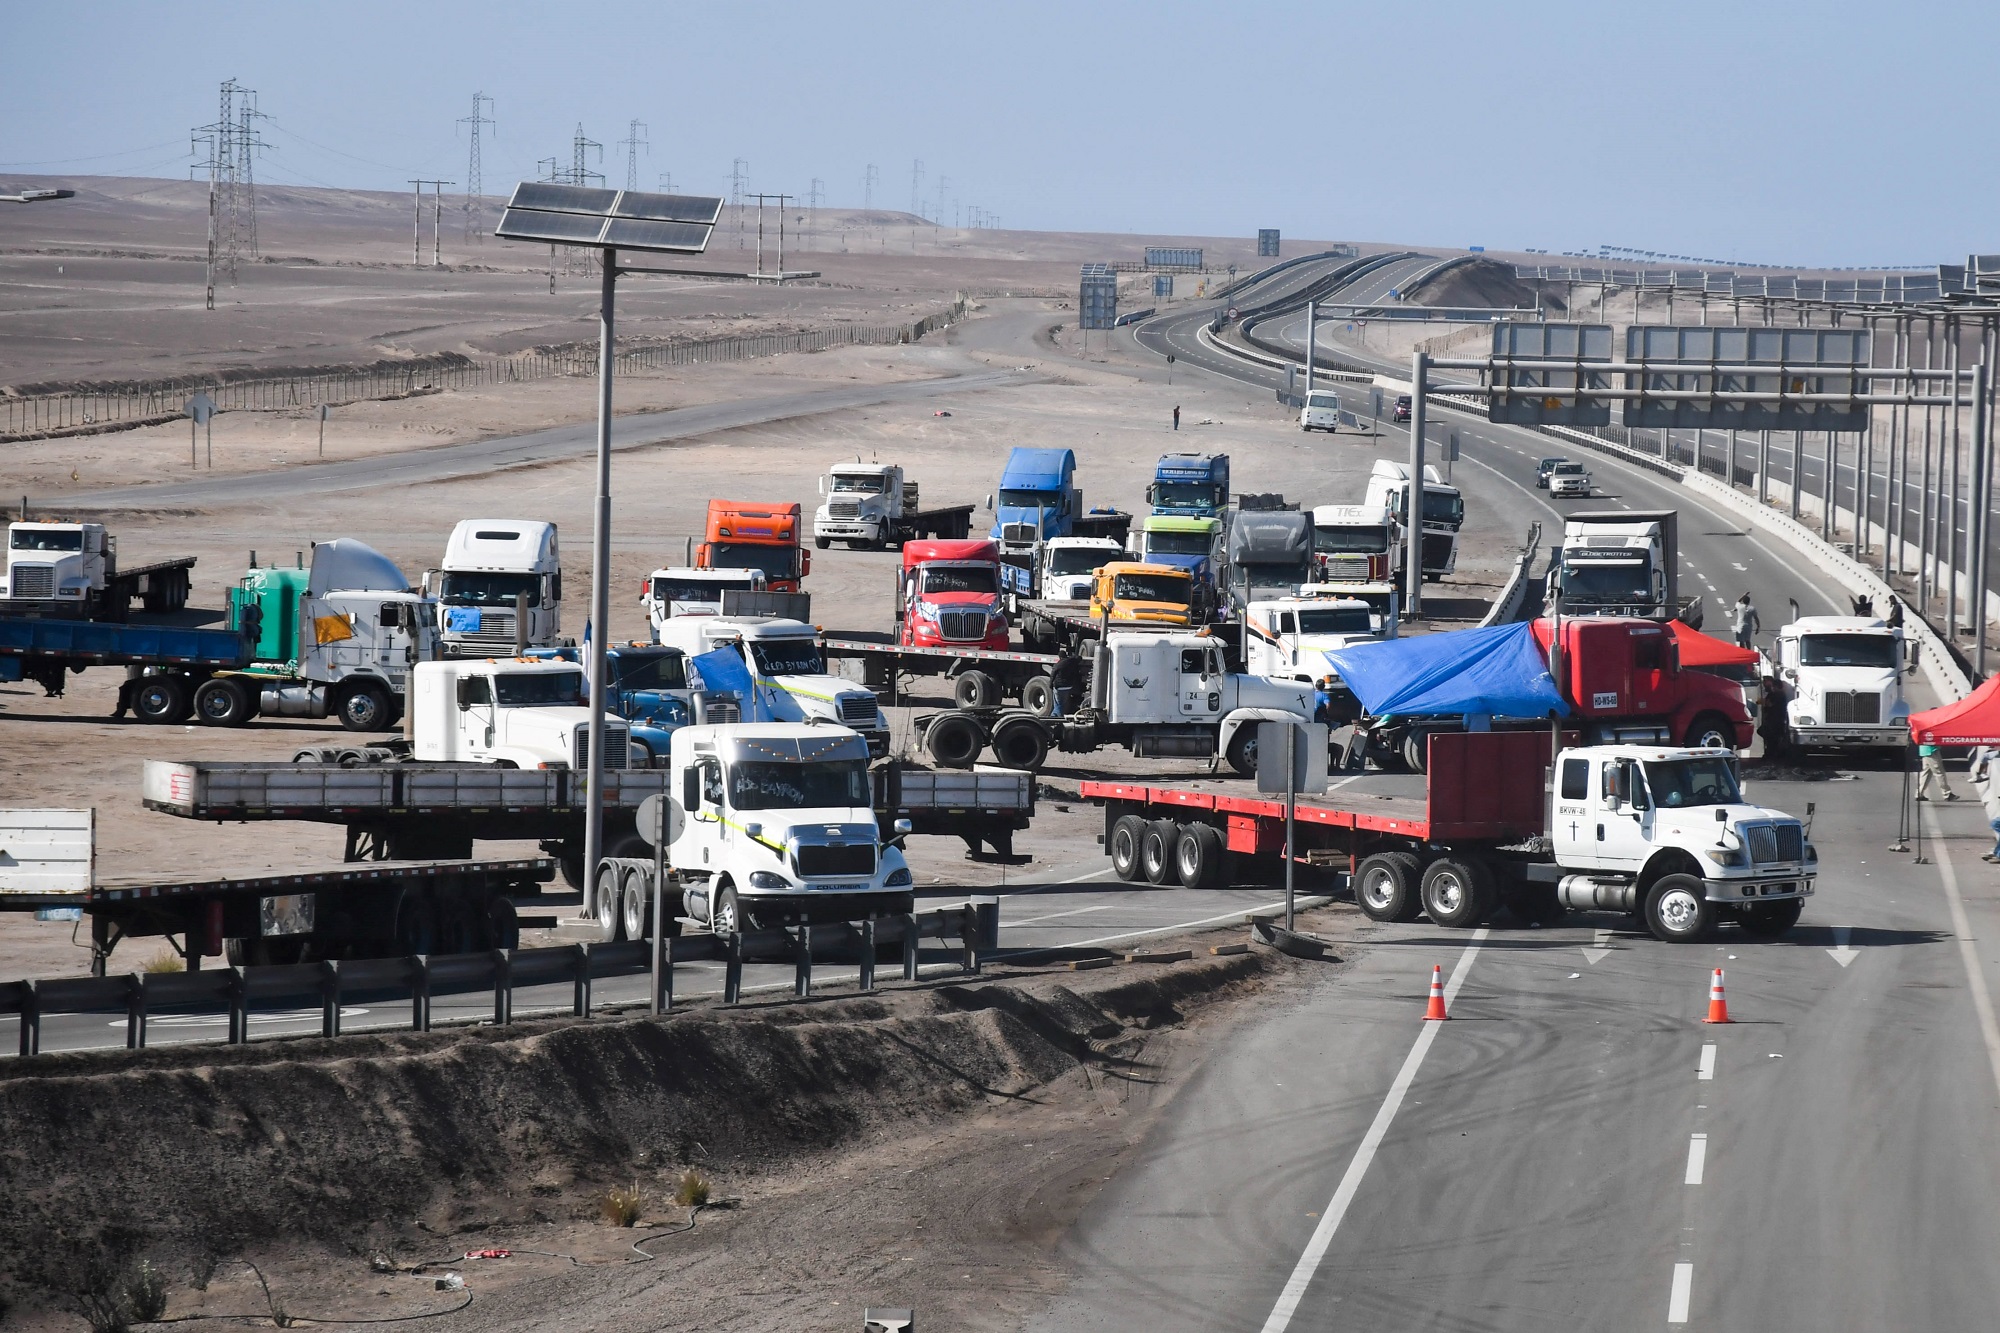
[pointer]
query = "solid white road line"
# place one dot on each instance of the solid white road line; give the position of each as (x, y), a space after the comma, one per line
(1697, 1158)
(1961, 926)
(1706, 1070)
(1683, 1292)
(1350, 1183)
(1052, 916)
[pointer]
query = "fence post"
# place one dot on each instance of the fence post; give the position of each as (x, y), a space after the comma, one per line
(135, 1012)
(802, 964)
(909, 947)
(239, 1005)
(31, 1019)
(329, 998)
(580, 1004)
(503, 987)
(732, 970)
(867, 980)
(420, 992)
(968, 928)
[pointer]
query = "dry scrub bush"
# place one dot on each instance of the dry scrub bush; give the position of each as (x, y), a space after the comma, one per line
(166, 960)
(691, 1189)
(620, 1206)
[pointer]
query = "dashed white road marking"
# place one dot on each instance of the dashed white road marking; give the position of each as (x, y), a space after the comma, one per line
(1682, 1294)
(1706, 1069)
(1697, 1158)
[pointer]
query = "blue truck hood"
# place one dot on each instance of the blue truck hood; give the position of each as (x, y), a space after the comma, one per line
(1052, 520)
(1037, 469)
(1196, 565)
(1499, 671)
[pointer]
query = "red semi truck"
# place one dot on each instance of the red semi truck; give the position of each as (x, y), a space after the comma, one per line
(745, 535)
(948, 595)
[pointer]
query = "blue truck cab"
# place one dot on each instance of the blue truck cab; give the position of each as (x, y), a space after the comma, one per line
(1190, 485)
(647, 686)
(1038, 496)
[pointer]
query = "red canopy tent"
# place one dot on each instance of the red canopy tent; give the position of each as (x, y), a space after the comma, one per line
(1973, 720)
(1705, 650)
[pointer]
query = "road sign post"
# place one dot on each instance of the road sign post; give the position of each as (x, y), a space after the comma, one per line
(322, 430)
(655, 822)
(1302, 768)
(200, 412)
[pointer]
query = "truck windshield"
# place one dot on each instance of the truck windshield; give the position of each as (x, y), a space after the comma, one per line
(1440, 507)
(778, 561)
(788, 657)
(490, 589)
(1186, 494)
(1350, 541)
(1335, 620)
(1683, 782)
(700, 590)
(1076, 560)
(1848, 650)
(1151, 588)
(652, 671)
(1605, 583)
(533, 689)
(29, 539)
(857, 485)
(1178, 543)
(960, 578)
(1013, 499)
(755, 785)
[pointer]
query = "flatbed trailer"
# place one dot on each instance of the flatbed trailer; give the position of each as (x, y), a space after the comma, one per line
(44, 651)
(1031, 677)
(1069, 626)
(161, 587)
(377, 909)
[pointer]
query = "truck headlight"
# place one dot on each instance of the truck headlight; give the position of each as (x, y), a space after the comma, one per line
(927, 610)
(899, 878)
(1726, 856)
(1812, 855)
(766, 879)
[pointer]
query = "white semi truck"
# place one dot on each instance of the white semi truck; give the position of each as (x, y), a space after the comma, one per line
(1358, 550)
(1441, 513)
(1843, 680)
(685, 591)
(874, 505)
(787, 670)
(1289, 638)
(71, 570)
(500, 587)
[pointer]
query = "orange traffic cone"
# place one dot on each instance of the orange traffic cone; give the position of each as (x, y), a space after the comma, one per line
(1718, 1008)
(1436, 1010)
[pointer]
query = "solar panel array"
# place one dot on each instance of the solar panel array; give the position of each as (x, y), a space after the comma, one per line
(610, 219)
(1980, 274)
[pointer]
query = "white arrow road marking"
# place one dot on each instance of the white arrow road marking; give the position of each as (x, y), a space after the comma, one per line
(1840, 953)
(1741, 569)
(1597, 953)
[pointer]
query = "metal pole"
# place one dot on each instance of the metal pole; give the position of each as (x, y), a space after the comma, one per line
(1732, 460)
(1798, 471)
(417, 226)
(663, 966)
(600, 584)
(1413, 560)
(1763, 467)
(1924, 543)
(1291, 809)
(1895, 518)
(1951, 527)
(1312, 345)
(1828, 491)
(1982, 499)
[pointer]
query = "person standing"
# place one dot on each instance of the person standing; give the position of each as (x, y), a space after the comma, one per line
(1744, 620)
(1177, 416)
(1933, 772)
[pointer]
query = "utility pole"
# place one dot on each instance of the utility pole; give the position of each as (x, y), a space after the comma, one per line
(868, 183)
(782, 200)
(437, 218)
(937, 200)
(247, 144)
(739, 173)
(666, 182)
(633, 141)
(813, 198)
(417, 230)
(231, 141)
(473, 189)
(916, 186)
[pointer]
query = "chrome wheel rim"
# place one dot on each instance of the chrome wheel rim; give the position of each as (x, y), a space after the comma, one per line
(1679, 910)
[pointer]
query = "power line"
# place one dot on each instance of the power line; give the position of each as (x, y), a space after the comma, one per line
(632, 143)
(868, 186)
(916, 186)
(473, 188)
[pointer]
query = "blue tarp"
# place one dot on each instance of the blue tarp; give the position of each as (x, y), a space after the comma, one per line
(1499, 671)
(722, 670)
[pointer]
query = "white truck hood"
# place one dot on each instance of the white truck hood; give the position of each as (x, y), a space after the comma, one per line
(813, 696)
(1881, 679)
(1262, 692)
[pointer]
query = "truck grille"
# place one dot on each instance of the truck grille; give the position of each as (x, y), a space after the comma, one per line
(496, 630)
(843, 509)
(617, 747)
(1853, 706)
(962, 626)
(822, 859)
(32, 581)
(716, 712)
(1776, 843)
(1347, 569)
(858, 710)
(1019, 534)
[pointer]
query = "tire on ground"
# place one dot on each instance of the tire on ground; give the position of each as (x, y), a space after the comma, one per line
(164, 699)
(1156, 851)
(1387, 886)
(635, 904)
(224, 701)
(975, 689)
(1199, 854)
(1020, 742)
(366, 707)
(1122, 843)
(604, 902)
(1678, 910)
(953, 740)
(1458, 891)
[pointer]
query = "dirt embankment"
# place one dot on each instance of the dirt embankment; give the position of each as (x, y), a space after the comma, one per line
(181, 1157)
(1483, 282)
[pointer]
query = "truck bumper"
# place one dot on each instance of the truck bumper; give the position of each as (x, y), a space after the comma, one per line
(846, 530)
(764, 910)
(1754, 889)
(1820, 733)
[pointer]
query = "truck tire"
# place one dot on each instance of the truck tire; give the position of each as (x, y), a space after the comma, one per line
(821, 543)
(1386, 886)
(1156, 851)
(604, 902)
(1199, 854)
(1676, 910)
(416, 925)
(1038, 696)
(1123, 845)
(1243, 751)
(1020, 742)
(1457, 891)
(953, 740)
(223, 701)
(1710, 731)
(725, 916)
(503, 924)
(366, 707)
(1416, 750)
(164, 699)
(635, 905)
(1770, 920)
(975, 689)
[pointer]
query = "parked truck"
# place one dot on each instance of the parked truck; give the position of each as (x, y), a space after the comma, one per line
(1141, 593)
(948, 595)
(648, 685)
(1358, 551)
(694, 592)
(1191, 543)
(872, 505)
(1443, 513)
(1158, 695)
(1039, 499)
(1270, 554)
(1660, 833)
(1618, 562)
(785, 668)
(766, 537)
(71, 570)
(1289, 638)
(1190, 485)
(333, 640)
(500, 587)
(1843, 682)
(1069, 566)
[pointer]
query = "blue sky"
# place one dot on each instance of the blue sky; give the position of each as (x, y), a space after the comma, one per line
(1808, 134)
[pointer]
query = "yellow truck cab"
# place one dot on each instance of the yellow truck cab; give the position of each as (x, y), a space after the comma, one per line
(1130, 592)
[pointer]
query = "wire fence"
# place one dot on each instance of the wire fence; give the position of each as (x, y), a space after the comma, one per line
(41, 416)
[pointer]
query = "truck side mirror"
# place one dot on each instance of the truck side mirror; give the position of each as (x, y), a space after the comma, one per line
(690, 790)
(464, 684)
(555, 586)
(805, 562)
(989, 502)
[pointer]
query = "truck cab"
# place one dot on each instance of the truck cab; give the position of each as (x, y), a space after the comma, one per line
(1843, 679)
(1134, 592)
(495, 569)
(516, 712)
(1289, 638)
(1616, 569)
(1270, 553)
(646, 685)
(1070, 565)
(64, 565)
(1358, 548)
(1442, 513)
(1321, 411)
(860, 503)
(785, 670)
(1624, 679)
(775, 826)
(1190, 485)
(1173, 695)
(766, 537)
(1183, 542)
(948, 594)
(1668, 833)
(1038, 497)
(693, 592)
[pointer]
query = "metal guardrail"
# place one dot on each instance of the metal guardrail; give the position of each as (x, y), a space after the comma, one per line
(420, 977)
(1506, 607)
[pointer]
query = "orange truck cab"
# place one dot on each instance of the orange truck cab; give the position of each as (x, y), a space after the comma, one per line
(745, 535)
(948, 596)
(1131, 592)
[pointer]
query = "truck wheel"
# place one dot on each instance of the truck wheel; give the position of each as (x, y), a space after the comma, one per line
(1020, 742)
(416, 925)
(821, 543)
(571, 865)
(953, 740)
(604, 902)
(1677, 911)
(366, 707)
(1156, 851)
(1038, 696)
(1243, 751)
(1417, 750)
(503, 924)
(725, 917)
(1457, 892)
(162, 699)
(1123, 844)
(1771, 919)
(635, 905)
(222, 701)
(1386, 886)
(1198, 857)
(1710, 731)
(975, 689)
